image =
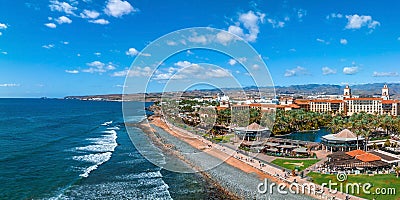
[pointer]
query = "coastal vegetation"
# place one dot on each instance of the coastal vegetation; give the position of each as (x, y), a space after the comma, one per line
(378, 181)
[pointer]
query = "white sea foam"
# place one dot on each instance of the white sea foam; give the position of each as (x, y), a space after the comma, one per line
(113, 128)
(104, 145)
(107, 123)
(98, 147)
(98, 159)
(143, 175)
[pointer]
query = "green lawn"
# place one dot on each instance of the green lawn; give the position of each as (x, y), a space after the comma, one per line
(292, 164)
(377, 181)
(224, 138)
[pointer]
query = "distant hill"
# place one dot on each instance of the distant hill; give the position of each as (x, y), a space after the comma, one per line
(297, 90)
(362, 89)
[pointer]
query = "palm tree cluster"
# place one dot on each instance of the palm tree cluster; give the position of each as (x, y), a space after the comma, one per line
(365, 124)
(299, 120)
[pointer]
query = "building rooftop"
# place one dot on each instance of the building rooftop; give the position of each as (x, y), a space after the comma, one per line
(368, 157)
(355, 153)
(344, 135)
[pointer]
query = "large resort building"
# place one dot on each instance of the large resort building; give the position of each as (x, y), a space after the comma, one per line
(348, 105)
(345, 104)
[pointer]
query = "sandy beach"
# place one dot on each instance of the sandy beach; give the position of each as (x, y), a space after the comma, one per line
(200, 144)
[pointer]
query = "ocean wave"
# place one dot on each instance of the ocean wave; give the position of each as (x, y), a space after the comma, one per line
(98, 159)
(107, 123)
(104, 145)
(143, 175)
(113, 128)
(98, 148)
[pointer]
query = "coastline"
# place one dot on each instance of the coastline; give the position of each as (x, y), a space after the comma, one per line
(247, 170)
(245, 177)
(212, 185)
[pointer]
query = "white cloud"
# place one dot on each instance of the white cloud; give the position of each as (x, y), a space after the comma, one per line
(198, 39)
(235, 29)
(65, 42)
(4, 52)
(62, 7)
(224, 37)
(250, 21)
(99, 21)
(217, 73)
(145, 54)
(118, 8)
(301, 13)
(51, 25)
(48, 46)
(63, 20)
(327, 71)
(398, 38)
(322, 41)
(120, 73)
(232, 62)
(350, 70)
(385, 74)
(275, 23)
(183, 64)
(357, 21)
(171, 43)
(296, 71)
(92, 14)
(3, 26)
(132, 52)
(72, 71)
(256, 67)
(98, 67)
(134, 72)
(1, 33)
(343, 41)
(97, 54)
(9, 85)
(334, 15)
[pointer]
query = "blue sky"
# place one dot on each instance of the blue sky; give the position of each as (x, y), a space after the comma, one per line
(75, 47)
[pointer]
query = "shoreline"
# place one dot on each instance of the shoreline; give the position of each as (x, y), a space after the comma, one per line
(232, 161)
(236, 161)
(222, 192)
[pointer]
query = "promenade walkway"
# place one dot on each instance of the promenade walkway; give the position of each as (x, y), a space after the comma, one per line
(268, 168)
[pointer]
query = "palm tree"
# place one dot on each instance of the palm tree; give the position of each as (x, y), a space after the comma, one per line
(397, 170)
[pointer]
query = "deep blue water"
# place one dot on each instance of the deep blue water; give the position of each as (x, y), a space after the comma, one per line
(313, 136)
(70, 149)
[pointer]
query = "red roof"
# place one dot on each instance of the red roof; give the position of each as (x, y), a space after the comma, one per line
(302, 101)
(255, 105)
(221, 108)
(328, 100)
(368, 99)
(389, 101)
(368, 157)
(355, 153)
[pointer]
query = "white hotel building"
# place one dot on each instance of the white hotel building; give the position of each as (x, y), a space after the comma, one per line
(350, 105)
